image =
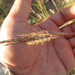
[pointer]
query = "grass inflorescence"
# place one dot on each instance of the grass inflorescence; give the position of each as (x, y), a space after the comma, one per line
(34, 38)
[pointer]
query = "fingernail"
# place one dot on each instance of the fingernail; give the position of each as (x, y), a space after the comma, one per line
(73, 9)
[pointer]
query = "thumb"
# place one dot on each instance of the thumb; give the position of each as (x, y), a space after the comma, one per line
(20, 9)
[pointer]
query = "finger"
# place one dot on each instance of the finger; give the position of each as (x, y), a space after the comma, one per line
(63, 16)
(72, 42)
(74, 50)
(20, 9)
(68, 30)
(48, 25)
(61, 45)
(70, 37)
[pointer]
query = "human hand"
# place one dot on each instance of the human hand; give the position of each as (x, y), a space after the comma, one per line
(55, 57)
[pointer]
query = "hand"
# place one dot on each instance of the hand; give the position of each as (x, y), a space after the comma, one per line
(55, 57)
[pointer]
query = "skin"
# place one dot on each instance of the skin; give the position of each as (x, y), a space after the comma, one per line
(55, 57)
